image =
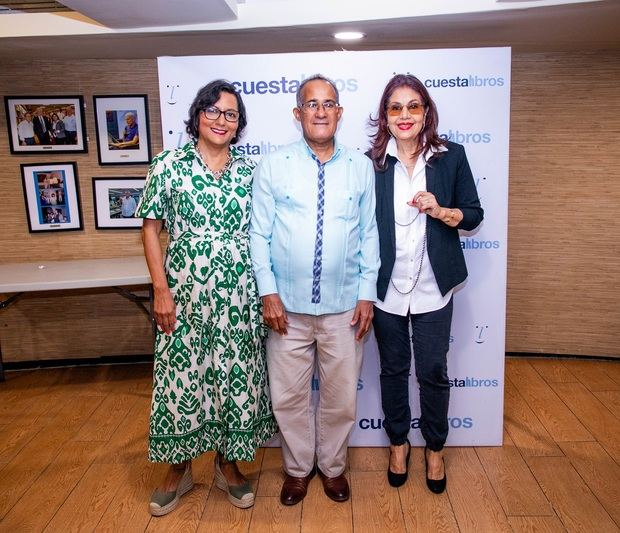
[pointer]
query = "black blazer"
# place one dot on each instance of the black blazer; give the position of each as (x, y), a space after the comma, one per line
(449, 178)
(38, 126)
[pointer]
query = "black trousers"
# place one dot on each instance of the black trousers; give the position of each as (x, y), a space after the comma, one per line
(431, 341)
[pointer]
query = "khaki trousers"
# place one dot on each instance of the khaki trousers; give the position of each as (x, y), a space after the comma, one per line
(327, 342)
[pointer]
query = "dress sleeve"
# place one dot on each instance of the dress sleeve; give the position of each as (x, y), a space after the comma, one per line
(154, 201)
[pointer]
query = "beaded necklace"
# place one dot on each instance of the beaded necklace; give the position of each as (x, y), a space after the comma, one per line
(217, 174)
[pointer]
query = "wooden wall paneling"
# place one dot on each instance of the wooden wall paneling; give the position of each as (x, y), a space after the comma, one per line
(563, 255)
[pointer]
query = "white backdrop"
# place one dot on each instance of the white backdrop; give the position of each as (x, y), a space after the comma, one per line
(472, 90)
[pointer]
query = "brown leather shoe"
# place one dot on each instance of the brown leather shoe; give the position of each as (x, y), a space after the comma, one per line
(337, 488)
(294, 488)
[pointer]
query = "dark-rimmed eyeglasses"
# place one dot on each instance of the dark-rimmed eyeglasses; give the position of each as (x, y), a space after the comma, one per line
(414, 108)
(312, 106)
(213, 113)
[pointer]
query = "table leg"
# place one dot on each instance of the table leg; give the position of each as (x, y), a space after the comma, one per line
(1, 366)
(3, 305)
(138, 300)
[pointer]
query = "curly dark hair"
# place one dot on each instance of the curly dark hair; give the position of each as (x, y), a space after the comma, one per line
(207, 96)
(428, 135)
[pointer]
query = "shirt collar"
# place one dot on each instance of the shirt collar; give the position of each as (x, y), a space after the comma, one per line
(392, 149)
(189, 150)
(337, 150)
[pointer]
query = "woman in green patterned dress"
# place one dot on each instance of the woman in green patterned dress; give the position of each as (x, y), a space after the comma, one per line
(209, 379)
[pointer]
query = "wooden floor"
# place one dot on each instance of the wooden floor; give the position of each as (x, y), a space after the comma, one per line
(73, 458)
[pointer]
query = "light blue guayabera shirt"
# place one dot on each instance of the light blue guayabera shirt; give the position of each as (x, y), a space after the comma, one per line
(283, 229)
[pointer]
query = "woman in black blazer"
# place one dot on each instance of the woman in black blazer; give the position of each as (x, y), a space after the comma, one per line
(425, 193)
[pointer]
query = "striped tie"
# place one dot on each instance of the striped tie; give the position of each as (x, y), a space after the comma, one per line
(318, 245)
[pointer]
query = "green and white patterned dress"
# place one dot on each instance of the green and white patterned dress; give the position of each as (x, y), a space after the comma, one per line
(209, 381)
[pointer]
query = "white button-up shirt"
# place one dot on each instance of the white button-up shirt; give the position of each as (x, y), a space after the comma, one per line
(25, 130)
(410, 232)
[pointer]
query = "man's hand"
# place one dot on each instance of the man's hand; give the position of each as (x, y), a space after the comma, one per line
(362, 317)
(274, 313)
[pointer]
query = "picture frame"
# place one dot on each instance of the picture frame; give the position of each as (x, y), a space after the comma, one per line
(115, 201)
(42, 124)
(52, 196)
(119, 121)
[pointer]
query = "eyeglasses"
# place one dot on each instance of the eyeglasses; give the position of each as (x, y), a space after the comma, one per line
(312, 106)
(414, 108)
(213, 113)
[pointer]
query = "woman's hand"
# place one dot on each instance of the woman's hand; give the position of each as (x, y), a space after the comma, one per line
(164, 310)
(427, 203)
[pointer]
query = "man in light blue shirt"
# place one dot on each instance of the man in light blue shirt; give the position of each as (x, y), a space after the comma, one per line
(315, 251)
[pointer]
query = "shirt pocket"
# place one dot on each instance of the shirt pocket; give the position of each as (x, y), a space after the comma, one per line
(294, 200)
(344, 204)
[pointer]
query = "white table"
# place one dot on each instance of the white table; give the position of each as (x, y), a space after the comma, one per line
(19, 278)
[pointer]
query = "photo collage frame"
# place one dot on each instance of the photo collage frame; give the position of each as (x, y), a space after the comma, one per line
(56, 125)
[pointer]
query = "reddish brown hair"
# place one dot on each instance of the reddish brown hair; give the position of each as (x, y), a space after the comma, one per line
(428, 135)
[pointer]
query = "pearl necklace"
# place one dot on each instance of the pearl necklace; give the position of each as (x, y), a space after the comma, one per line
(407, 223)
(417, 276)
(217, 174)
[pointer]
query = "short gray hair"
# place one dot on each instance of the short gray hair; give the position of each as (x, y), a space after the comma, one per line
(315, 77)
(129, 113)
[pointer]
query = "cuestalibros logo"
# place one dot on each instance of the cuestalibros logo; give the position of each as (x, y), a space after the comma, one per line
(473, 382)
(261, 148)
(470, 80)
(286, 85)
(454, 422)
(476, 244)
(467, 137)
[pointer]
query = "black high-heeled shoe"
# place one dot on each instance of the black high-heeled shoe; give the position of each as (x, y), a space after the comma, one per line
(435, 485)
(397, 480)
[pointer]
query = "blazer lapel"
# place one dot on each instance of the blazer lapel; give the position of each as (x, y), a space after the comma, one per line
(431, 182)
(388, 198)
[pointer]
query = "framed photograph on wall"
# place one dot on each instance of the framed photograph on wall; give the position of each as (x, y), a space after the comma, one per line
(52, 197)
(40, 124)
(115, 201)
(122, 125)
